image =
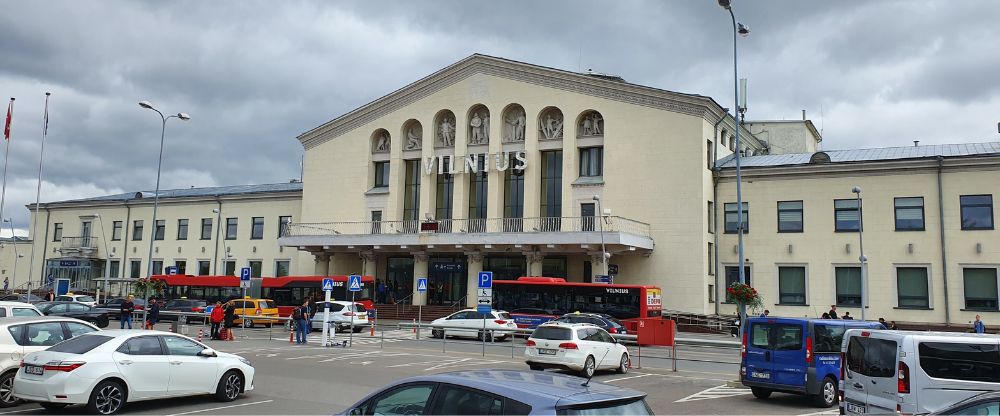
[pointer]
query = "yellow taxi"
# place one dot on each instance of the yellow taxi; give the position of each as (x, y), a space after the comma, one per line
(254, 307)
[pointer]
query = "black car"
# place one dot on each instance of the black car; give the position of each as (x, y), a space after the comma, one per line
(21, 298)
(184, 305)
(114, 306)
(608, 322)
(76, 310)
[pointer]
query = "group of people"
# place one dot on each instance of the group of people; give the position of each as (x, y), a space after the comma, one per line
(832, 314)
(152, 314)
(221, 315)
(388, 291)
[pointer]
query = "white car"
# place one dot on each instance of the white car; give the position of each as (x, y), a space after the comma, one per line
(84, 299)
(106, 369)
(23, 335)
(8, 309)
(579, 347)
(498, 325)
(341, 314)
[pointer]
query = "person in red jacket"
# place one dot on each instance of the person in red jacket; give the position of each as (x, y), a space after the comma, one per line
(217, 316)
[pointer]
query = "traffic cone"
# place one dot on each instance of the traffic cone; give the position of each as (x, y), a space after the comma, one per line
(372, 326)
(201, 332)
(414, 325)
(291, 336)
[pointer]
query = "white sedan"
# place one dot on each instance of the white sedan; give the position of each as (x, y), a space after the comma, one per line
(470, 323)
(342, 315)
(579, 347)
(106, 369)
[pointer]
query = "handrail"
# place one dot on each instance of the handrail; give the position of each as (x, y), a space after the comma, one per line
(401, 302)
(459, 303)
(611, 224)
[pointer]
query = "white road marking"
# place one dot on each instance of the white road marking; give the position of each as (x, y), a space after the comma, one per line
(19, 411)
(715, 393)
(823, 413)
(222, 407)
(626, 378)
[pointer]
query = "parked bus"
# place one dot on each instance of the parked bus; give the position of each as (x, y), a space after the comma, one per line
(532, 301)
(287, 291)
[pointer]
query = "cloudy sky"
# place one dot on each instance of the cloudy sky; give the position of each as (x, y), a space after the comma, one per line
(255, 74)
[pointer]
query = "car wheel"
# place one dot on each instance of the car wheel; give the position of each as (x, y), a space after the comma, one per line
(107, 398)
(53, 406)
(248, 323)
(827, 396)
(588, 367)
(7, 398)
(624, 364)
(358, 329)
(760, 393)
(230, 386)
(436, 333)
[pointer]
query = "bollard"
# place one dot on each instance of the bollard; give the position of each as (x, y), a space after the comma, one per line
(291, 336)
(200, 334)
(372, 327)
(414, 325)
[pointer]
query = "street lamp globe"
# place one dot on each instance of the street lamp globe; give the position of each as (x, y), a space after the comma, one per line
(145, 104)
(743, 30)
(726, 4)
(856, 189)
(183, 116)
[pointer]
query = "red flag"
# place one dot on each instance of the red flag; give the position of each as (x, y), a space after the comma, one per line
(6, 127)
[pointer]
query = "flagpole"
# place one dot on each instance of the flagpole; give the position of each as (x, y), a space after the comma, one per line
(38, 193)
(6, 152)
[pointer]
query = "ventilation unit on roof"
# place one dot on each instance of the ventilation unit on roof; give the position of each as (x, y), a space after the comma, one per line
(819, 157)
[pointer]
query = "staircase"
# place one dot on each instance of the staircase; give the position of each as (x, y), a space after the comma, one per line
(401, 312)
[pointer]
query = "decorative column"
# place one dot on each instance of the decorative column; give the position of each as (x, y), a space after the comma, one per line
(535, 262)
(475, 265)
(369, 263)
(596, 265)
(322, 267)
(419, 270)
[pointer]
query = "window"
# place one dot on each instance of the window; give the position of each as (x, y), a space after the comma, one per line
(407, 399)
(961, 361)
(731, 218)
(181, 346)
(454, 400)
(847, 216)
(760, 336)
(911, 287)
(980, 288)
(206, 228)
(445, 193)
(733, 276)
(909, 214)
(182, 229)
(283, 221)
(828, 338)
(790, 216)
(25, 312)
(592, 162)
(137, 230)
(711, 259)
(116, 231)
(987, 408)
(711, 217)
(229, 268)
(551, 200)
(161, 229)
(231, 228)
(513, 197)
(115, 266)
(203, 267)
(710, 159)
(478, 189)
(787, 337)
(732, 143)
(381, 174)
(792, 285)
(848, 286)
(133, 269)
(281, 268)
(977, 212)
(146, 345)
(255, 266)
(81, 345)
(257, 229)
(157, 266)
(57, 230)
(588, 213)
(711, 293)
(181, 267)
(44, 334)
(872, 357)
(376, 222)
(411, 191)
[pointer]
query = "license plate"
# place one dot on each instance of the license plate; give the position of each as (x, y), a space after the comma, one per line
(760, 375)
(34, 369)
(856, 409)
(546, 351)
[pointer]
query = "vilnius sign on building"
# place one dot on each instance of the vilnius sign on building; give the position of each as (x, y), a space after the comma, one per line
(501, 162)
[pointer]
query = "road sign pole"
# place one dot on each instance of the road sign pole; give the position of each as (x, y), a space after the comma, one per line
(350, 336)
(420, 318)
(326, 319)
(422, 288)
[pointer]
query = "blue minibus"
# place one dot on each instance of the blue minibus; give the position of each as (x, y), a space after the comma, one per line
(795, 355)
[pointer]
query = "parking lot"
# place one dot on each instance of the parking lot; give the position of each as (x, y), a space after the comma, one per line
(312, 379)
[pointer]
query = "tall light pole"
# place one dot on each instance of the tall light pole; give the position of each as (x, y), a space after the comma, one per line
(738, 29)
(13, 242)
(861, 247)
(218, 230)
(107, 263)
(605, 256)
(156, 194)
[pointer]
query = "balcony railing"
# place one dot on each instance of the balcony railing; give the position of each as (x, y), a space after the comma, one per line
(80, 242)
(609, 224)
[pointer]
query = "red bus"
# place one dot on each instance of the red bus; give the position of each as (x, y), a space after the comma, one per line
(534, 300)
(287, 291)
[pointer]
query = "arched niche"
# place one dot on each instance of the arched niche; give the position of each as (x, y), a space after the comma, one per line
(381, 141)
(514, 124)
(413, 135)
(550, 124)
(444, 129)
(590, 124)
(479, 125)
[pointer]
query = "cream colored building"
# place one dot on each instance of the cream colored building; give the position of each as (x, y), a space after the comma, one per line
(13, 260)
(79, 239)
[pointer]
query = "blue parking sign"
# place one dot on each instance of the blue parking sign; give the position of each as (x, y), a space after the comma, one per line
(485, 280)
(245, 273)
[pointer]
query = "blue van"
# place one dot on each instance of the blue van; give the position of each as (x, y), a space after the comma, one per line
(795, 355)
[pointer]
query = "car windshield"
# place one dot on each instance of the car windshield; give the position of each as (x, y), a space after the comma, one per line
(84, 299)
(503, 315)
(264, 304)
(359, 308)
(554, 333)
(634, 407)
(81, 344)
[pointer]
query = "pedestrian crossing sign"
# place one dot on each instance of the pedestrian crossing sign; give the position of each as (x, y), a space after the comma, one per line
(355, 283)
(327, 285)
(422, 284)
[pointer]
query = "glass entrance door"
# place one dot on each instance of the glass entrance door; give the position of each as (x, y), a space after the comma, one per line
(447, 280)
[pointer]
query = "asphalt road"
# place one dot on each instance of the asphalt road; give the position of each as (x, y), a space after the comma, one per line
(312, 379)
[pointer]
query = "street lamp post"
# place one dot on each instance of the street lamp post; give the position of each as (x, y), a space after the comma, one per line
(740, 29)
(156, 193)
(107, 263)
(605, 256)
(225, 250)
(861, 247)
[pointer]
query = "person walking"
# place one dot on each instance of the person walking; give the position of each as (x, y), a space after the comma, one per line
(300, 316)
(847, 315)
(51, 296)
(884, 324)
(230, 314)
(381, 291)
(216, 317)
(892, 326)
(154, 313)
(128, 306)
(979, 326)
(833, 312)
(6, 283)
(765, 314)
(826, 315)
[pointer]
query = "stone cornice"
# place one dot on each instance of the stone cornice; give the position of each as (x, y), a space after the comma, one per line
(249, 198)
(695, 105)
(881, 167)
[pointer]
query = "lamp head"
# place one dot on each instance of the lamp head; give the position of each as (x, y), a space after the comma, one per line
(6, 220)
(597, 197)
(742, 29)
(856, 189)
(726, 4)
(215, 210)
(146, 104)
(183, 116)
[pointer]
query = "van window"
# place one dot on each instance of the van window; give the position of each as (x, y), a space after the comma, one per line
(872, 357)
(760, 336)
(828, 338)
(787, 337)
(960, 361)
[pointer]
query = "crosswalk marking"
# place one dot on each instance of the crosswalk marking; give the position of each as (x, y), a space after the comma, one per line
(717, 392)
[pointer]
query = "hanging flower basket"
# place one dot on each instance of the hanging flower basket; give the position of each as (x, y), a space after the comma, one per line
(146, 287)
(743, 294)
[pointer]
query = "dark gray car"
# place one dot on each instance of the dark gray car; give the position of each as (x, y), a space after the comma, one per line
(501, 392)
